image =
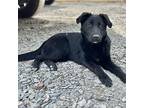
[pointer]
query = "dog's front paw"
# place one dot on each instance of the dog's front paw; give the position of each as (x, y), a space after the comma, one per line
(123, 77)
(106, 81)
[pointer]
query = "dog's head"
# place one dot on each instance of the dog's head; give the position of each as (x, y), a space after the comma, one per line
(93, 27)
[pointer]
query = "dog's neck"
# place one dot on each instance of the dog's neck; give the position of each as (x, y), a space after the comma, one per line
(89, 47)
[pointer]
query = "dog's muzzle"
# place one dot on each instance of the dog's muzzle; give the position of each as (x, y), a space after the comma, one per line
(96, 38)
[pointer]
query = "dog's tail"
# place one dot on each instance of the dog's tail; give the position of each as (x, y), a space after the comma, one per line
(29, 56)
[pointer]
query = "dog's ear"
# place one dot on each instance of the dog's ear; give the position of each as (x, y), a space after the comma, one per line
(106, 19)
(82, 18)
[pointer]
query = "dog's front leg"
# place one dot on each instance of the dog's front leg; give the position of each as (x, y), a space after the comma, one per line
(113, 68)
(103, 77)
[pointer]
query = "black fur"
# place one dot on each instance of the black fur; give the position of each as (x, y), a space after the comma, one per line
(90, 48)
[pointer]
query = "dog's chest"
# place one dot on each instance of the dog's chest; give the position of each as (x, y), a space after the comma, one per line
(96, 53)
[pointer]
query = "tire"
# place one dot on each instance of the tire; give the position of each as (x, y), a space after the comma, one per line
(49, 2)
(30, 9)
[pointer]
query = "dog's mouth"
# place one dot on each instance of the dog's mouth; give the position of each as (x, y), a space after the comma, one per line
(96, 42)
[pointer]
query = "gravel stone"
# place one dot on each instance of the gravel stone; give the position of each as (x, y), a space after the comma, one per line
(124, 99)
(80, 91)
(36, 80)
(38, 86)
(102, 106)
(32, 96)
(82, 103)
(35, 105)
(51, 106)
(118, 107)
(22, 106)
(89, 104)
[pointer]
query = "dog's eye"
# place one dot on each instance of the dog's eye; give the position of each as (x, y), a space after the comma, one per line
(90, 24)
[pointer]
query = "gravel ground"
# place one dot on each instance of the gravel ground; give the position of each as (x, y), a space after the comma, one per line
(72, 85)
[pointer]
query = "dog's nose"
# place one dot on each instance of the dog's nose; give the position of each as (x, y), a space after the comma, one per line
(96, 38)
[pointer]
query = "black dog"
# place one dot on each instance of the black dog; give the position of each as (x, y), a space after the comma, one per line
(90, 48)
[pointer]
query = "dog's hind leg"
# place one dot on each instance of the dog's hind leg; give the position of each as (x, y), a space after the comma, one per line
(51, 65)
(37, 62)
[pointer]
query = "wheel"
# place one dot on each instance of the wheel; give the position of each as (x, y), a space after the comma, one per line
(48, 2)
(28, 8)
